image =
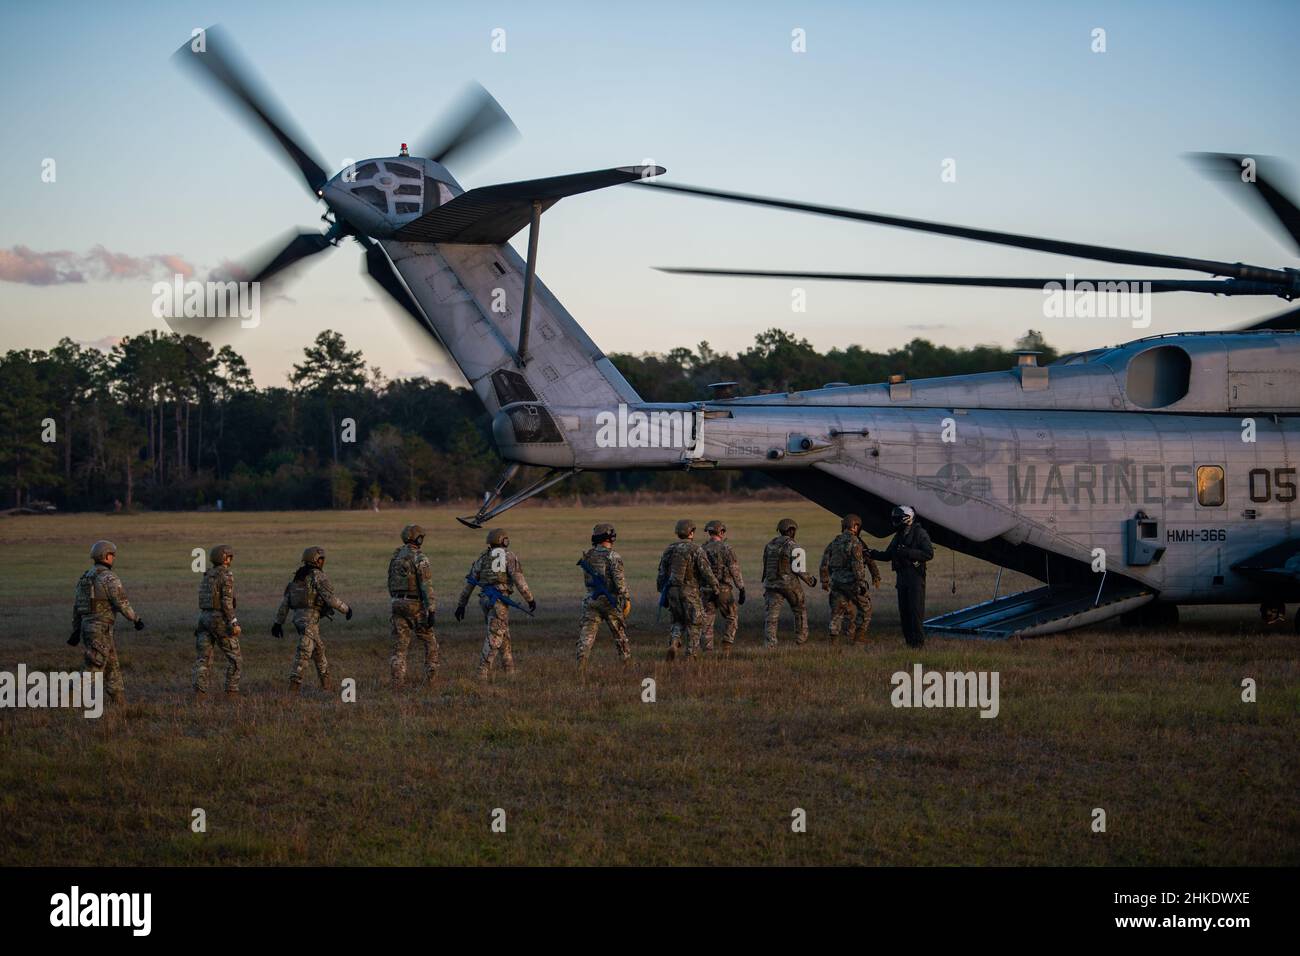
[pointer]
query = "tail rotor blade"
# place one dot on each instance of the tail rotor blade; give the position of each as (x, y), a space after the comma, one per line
(299, 247)
(214, 55)
(385, 275)
(476, 124)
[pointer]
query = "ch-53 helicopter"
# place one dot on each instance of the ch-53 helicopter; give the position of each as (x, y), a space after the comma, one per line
(1128, 480)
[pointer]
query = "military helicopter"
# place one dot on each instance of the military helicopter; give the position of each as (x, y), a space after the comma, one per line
(1129, 480)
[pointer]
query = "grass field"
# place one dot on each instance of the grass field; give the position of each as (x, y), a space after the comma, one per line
(1148, 726)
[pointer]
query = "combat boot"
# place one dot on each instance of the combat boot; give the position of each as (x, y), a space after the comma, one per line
(326, 682)
(295, 689)
(232, 695)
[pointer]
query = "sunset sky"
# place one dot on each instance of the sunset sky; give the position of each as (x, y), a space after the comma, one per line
(1049, 138)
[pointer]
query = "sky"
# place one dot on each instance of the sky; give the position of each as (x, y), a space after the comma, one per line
(1048, 137)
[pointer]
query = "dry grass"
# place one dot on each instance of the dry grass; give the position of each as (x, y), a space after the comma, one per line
(1149, 726)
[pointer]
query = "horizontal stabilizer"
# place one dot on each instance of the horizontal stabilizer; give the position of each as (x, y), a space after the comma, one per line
(492, 214)
(1044, 610)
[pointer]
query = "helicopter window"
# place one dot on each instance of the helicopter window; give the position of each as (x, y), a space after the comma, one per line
(406, 172)
(366, 171)
(409, 190)
(371, 195)
(1159, 376)
(406, 207)
(1209, 485)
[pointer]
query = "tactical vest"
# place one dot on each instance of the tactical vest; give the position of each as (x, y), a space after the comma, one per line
(716, 552)
(776, 560)
(483, 568)
(402, 579)
(210, 591)
(679, 565)
(839, 556)
(302, 592)
(91, 598)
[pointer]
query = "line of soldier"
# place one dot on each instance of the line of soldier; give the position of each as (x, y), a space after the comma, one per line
(700, 585)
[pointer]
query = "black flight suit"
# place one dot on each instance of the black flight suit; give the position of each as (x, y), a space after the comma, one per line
(907, 555)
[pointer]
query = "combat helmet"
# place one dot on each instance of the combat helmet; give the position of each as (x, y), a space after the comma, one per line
(715, 527)
(684, 528)
(849, 520)
(602, 531)
(218, 554)
(787, 526)
(101, 548)
(498, 538)
(412, 534)
(313, 557)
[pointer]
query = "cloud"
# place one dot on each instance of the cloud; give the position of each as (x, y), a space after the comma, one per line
(29, 267)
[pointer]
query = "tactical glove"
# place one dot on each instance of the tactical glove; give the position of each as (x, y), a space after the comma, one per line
(532, 606)
(460, 612)
(139, 624)
(75, 638)
(348, 615)
(277, 630)
(810, 580)
(742, 595)
(862, 589)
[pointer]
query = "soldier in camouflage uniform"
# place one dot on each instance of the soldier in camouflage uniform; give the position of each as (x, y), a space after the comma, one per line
(498, 569)
(731, 587)
(781, 583)
(410, 586)
(217, 625)
(310, 596)
(844, 568)
(607, 595)
(99, 596)
(683, 570)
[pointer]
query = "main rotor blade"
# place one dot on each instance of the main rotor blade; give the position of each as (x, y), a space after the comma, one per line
(1217, 286)
(219, 61)
(299, 247)
(1288, 321)
(1130, 257)
(1232, 169)
(475, 123)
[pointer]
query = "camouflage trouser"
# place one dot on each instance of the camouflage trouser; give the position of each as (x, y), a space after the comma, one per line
(405, 621)
(848, 606)
(310, 648)
(688, 617)
(773, 598)
(210, 634)
(595, 610)
(721, 604)
(101, 655)
(497, 641)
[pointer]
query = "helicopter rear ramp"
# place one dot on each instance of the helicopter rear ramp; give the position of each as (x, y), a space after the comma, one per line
(1044, 610)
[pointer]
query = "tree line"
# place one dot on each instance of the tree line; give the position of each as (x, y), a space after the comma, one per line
(167, 421)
